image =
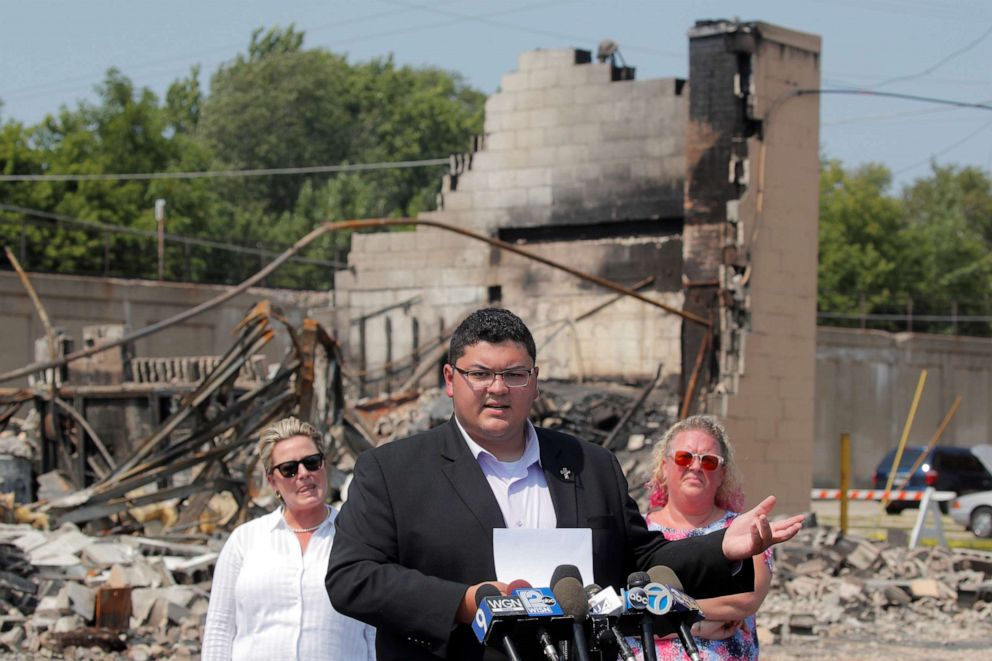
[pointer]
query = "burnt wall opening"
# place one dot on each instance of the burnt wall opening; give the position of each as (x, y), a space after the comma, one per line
(592, 231)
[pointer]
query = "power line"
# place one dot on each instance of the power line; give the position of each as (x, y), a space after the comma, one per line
(46, 88)
(939, 64)
(212, 174)
(944, 150)
(148, 234)
(521, 28)
(892, 95)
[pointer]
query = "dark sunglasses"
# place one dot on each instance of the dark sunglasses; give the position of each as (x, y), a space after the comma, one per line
(311, 462)
(708, 462)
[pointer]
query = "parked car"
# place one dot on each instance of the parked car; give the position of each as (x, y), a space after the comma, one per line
(944, 469)
(974, 512)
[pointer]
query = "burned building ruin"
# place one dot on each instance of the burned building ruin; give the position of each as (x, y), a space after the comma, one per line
(702, 193)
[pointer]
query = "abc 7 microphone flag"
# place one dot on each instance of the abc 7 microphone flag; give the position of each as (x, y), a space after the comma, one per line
(658, 599)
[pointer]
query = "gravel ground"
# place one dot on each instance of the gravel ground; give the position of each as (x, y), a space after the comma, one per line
(840, 649)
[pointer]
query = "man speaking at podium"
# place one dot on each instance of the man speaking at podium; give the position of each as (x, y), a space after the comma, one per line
(415, 538)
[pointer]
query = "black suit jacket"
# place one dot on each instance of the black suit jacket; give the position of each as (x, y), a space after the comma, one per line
(417, 530)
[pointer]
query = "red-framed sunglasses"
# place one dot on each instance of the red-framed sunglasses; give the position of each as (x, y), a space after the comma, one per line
(708, 462)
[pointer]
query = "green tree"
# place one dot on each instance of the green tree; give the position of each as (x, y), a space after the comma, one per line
(279, 106)
(928, 249)
(127, 131)
(950, 258)
(860, 238)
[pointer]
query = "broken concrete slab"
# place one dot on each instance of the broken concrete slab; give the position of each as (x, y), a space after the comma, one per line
(165, 612)
(105, 554)
(81, 599)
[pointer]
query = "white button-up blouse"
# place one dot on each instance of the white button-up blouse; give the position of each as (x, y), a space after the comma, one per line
(268, 599)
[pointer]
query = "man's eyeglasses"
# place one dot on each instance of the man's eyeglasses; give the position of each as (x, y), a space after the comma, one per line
(515, 378)
(311, 462)
(708, 462)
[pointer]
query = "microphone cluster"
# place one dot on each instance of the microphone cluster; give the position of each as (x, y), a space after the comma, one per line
(567, 621)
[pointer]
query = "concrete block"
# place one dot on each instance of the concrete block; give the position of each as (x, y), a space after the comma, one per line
(587, 134)
(464, 296)
(532, 99)
(527, 177)
(343, 280)
(531, 137)
(538, 118)
(81, 599)
(546, 58)
(499, 141)
(501, 179)
(500, 102)
(513, 82)
(59, 548)
(67, 623)
(458, 200)
(572, 153)
(541, 79)
(590, 95)
(539, 196)
(105, 554)
(559, 97)
(164, 612)
(585, 74)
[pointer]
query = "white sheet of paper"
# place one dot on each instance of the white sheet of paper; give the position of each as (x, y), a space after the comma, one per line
(533, 555)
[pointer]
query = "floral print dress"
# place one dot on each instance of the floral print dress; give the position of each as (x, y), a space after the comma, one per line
(742, 646)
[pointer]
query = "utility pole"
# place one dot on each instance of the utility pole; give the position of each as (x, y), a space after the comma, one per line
(160, 221)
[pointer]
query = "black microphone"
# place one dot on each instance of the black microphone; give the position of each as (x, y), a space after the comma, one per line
(572, 599)
(547, 645)
(488, 620)
(665, 576)
(612, 634)
(639, 579)
(565, 571)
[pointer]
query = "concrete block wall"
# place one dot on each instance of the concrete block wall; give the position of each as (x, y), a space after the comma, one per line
(571, 150)
(771, 414)
(564, 145)
(567, 145)
(865, 382)
(76, 301)
(627, 337)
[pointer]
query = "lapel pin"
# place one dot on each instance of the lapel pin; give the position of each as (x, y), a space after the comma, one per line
(566, 474)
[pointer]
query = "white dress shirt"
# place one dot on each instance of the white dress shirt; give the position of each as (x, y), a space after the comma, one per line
(519, 486)
(268, 600)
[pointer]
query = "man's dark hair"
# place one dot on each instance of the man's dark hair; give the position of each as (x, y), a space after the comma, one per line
(492, 325)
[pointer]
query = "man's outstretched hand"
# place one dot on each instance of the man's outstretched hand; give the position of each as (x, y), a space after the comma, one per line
(751, 533)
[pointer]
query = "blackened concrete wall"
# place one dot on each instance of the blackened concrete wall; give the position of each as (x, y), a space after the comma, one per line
(709, 185)
(578, 167)
(768, 257)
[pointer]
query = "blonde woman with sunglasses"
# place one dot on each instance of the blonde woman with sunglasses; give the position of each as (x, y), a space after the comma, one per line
(695, 490)
(268, 599)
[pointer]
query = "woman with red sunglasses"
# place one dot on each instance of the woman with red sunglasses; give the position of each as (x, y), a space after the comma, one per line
(268, 600)
(695, 490)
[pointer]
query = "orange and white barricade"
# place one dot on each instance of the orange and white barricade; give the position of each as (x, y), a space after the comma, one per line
(927, 498)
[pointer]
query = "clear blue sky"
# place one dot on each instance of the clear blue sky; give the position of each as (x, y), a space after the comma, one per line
(53, 53)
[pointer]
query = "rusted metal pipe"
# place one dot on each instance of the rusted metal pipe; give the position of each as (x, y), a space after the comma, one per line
(690, 390)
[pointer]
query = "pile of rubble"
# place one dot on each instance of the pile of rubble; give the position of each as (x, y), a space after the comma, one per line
(830, 585)
(609, 414)
(66, 594)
